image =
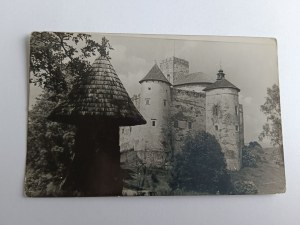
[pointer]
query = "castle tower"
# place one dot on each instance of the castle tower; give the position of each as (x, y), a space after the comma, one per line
(174, 68)
(155, 107)
(223, 116)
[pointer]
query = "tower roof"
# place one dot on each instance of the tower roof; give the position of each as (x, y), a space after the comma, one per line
(221, 82)
(155, 74)
(194, 78)
(100, 96)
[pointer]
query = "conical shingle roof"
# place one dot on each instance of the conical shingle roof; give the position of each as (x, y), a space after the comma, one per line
(155, 74)
(100, 96)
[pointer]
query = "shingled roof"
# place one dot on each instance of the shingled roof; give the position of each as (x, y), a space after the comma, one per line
(221, 83)
(155, 74)
(99, 96)
(194, 78)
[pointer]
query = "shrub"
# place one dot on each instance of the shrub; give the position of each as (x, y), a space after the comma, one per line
(252, 154)
(200, 167)
(244, 187)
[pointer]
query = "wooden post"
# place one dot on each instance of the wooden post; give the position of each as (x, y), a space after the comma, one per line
(95, 170)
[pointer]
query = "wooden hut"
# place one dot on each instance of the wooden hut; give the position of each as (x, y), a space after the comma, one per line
(97, 105)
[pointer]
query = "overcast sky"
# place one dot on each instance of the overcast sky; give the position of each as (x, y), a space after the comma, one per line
(249, 63)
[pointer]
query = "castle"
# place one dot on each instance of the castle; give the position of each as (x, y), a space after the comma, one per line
(175, 104)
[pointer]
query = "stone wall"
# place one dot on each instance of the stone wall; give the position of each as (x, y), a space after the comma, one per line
(150, 140)
(174, 68)
(223, 121)
(192, 87)
(187, 116)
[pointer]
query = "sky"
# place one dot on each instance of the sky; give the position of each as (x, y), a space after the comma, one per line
(249, 63)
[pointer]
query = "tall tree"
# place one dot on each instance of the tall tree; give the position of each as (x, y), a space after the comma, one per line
(200, 167)
(271, 108)
(57, 62)
(58, 59)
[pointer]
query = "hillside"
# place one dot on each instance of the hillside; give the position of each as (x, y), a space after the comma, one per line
(268, 176)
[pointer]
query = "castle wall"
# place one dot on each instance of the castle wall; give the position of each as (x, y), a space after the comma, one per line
(192, 87)
(241, 120)
(223, 121)
(174, 68)
(187, 116)
(150, 140)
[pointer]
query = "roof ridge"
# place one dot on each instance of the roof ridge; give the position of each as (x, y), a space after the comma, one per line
(222, 83)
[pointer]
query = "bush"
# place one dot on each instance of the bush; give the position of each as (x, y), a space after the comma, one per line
(244, 187)
(252, 154)
(200, 167)
(49, 150)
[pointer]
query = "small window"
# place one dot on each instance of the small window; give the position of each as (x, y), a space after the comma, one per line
(165, 102)
(122, 130)
(190, 125)
(196, 115)
(153, 123)
(168, 76)
(236, 128)
(236, 110)
(216, 127)
(149, 88)
(192, 108)
(130, 129)
(215, 110)
(147, 101)
(176, 123)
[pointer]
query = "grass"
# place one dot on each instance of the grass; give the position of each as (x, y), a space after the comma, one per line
(268, 176)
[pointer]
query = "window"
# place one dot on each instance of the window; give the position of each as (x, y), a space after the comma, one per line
(190, 125)
(168, 76)
(130, 129)
(149, 88)
(236, 110)
(122, 130)
(147, 101)
(236, 128)
(192, 108)
(216, 127)
(176, 123)
(215, 110)
(165, 102)
(153, 123)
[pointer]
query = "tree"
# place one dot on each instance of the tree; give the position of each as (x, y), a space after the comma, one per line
(57, 62)
(58, 59)
(200, 167)
(271, 108)
(49, 150)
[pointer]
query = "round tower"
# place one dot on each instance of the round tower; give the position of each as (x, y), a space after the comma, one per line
(223, 118)
(155, 107)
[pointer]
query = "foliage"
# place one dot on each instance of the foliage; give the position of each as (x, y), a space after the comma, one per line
(146, 179)
(245, 187)
(57, 62)
(252, 154)
(200, 167)
(271, 108)
(49, 150)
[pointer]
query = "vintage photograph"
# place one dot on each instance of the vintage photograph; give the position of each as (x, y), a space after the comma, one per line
(153, 115)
